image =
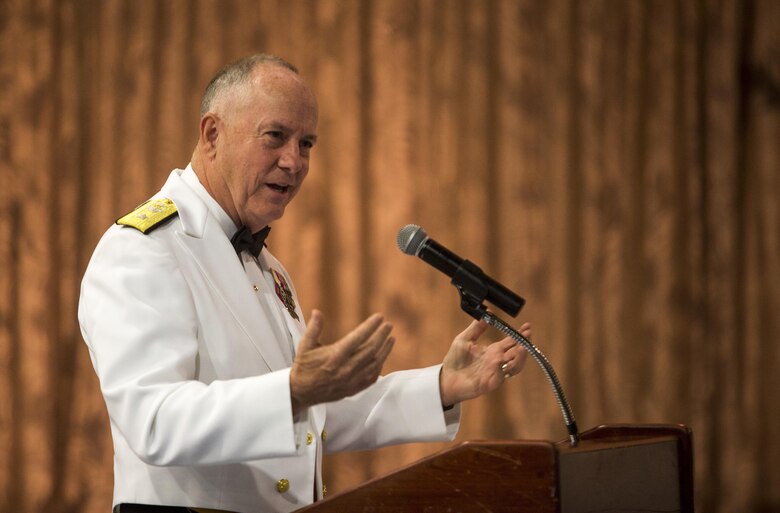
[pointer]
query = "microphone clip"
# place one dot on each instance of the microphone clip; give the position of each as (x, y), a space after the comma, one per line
(472, 288)
(471, 306)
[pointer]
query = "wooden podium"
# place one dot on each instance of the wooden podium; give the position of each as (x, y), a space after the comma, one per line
(615, 469)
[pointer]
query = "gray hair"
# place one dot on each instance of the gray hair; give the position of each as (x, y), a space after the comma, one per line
(237, 73)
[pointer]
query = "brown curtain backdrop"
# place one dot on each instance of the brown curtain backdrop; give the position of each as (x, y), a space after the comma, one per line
(614, 161)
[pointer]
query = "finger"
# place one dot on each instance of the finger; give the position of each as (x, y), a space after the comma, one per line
(311, 337)
(521, 359)
(525, 330)
(359, 335)
(384, 351)
(473, 331)
(504, 345)
(514, 360)
(369, 349)
(371, 370)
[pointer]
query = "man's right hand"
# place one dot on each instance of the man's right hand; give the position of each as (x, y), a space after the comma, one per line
(323, 373)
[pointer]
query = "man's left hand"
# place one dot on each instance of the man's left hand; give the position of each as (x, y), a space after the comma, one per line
(471, 370)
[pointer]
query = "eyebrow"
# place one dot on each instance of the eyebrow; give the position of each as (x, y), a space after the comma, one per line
(275, 125)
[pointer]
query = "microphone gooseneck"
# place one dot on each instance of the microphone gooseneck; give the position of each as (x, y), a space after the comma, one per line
(549, 372)
(475, 287)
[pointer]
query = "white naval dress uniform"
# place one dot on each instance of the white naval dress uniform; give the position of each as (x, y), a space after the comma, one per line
(194, 365)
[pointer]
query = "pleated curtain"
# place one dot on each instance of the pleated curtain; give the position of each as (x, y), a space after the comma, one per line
(615, 162)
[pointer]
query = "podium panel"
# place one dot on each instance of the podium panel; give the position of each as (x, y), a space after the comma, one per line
(620, 469)
(633, 470)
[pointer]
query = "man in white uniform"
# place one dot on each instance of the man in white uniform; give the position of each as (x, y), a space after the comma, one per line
(219, 396)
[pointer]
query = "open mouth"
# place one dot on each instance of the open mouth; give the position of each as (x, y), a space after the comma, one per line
(278, 188)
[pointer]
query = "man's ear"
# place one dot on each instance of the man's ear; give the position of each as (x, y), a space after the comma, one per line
(209, 132)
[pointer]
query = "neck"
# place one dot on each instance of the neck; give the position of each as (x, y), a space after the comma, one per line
(201, 169)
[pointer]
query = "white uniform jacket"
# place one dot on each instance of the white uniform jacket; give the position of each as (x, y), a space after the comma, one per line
(196, 381)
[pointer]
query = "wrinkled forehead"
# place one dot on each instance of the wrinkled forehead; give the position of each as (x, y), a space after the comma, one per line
(273, 85)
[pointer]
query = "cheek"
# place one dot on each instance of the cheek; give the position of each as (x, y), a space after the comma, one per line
(249, 181)
(237, 185)
(303, 174)
(300, 184)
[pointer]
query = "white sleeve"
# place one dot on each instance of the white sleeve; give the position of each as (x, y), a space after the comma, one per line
(140, 324)
(401, 407)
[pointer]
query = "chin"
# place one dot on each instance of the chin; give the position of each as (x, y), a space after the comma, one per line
(264, 220)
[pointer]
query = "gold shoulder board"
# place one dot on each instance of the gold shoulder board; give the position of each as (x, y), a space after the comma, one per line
(149, 215)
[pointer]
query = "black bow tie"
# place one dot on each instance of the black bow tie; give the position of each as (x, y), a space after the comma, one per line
(252, 242)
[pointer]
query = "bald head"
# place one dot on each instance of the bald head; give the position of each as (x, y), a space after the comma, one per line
(237, 75)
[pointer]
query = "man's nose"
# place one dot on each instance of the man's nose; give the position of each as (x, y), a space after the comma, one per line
(290, 158)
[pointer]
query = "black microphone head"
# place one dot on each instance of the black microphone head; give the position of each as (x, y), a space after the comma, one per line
(410, 239)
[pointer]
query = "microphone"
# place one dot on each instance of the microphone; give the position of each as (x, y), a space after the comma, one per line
(466, 275)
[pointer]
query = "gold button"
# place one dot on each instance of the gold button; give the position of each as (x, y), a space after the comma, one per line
(324, 490)
(324, 435)
(282, 485)
(254, 287)
(309, 438)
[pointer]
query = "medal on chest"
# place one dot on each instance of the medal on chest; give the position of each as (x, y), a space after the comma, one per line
(284, 294)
